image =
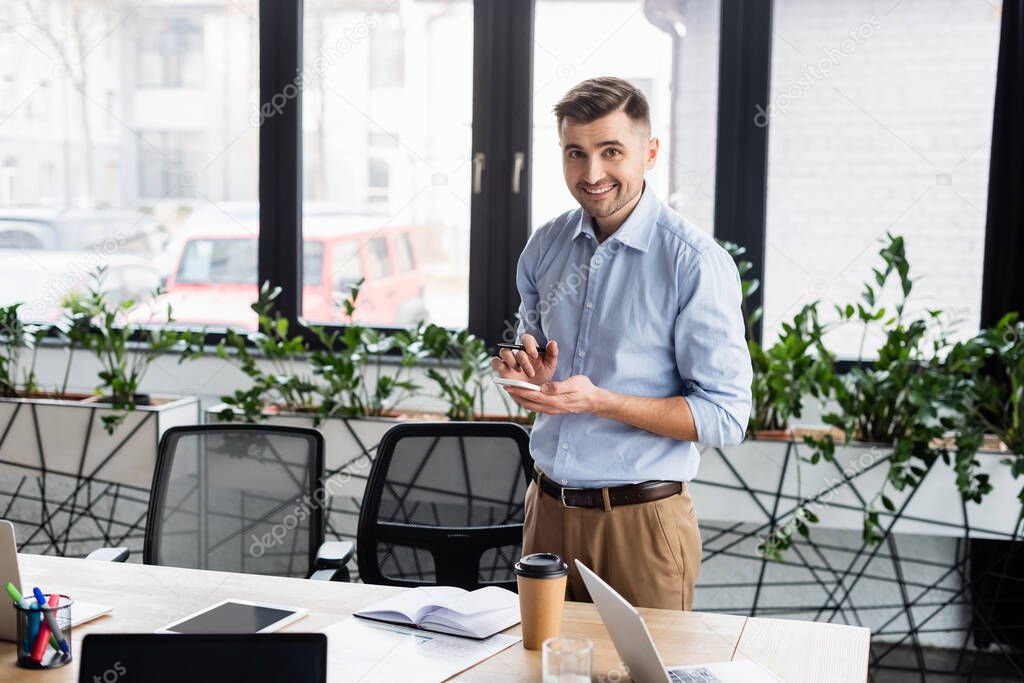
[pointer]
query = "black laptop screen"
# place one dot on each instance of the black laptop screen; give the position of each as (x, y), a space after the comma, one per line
(169, 658)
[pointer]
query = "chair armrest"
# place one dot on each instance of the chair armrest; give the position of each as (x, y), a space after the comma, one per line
(331, 575)
(109, 555)
(333, 554)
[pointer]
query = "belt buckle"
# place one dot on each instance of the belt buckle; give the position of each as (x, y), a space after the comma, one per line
(562, 491)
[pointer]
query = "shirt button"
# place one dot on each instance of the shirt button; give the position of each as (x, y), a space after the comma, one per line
(564, 446)
(582, 353)
(564, 482)
(590, 304)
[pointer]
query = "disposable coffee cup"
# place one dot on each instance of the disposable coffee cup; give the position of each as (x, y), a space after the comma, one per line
(541, 579)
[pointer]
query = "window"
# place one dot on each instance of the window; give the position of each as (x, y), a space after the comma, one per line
(378, 180)
(171, 54)
(386, 141)
(875, 127)
(677, 70)
(8, 182)
(347, 266)
(387, 54)
(163, 158)
(380, 266)
(141, 157)
(312, 263)
(218, 262)
(403, 252)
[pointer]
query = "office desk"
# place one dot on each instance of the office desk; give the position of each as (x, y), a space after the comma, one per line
(145, 598)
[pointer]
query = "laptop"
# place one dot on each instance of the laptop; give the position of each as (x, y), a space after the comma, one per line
(638, 652)
(202, 658)
(81, 612)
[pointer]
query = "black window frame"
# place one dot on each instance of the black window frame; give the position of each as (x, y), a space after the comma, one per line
(502, 126)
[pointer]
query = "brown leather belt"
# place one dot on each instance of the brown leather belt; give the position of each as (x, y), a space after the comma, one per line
(630, 494)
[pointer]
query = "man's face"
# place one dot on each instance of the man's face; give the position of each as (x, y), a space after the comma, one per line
(604, 162)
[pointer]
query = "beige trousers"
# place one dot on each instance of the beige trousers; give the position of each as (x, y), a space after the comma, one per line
(648, 552)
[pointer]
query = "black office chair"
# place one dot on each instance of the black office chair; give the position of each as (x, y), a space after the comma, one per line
(240, 498)
(444, 505)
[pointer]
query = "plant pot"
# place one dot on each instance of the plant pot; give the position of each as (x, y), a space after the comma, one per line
(773, 434)
(770, 469)
(68, 485)
(68, 437)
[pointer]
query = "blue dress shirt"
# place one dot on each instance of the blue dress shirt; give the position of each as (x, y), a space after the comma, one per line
(654, 310)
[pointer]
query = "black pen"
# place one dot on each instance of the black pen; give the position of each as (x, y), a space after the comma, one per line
(517, 347)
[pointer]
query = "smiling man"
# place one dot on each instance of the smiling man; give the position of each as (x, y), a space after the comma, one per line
(631, 322)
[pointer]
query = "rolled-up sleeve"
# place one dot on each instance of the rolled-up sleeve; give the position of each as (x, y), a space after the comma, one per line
(711, 348)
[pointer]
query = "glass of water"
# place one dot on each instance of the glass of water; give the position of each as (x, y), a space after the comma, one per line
(567, 660)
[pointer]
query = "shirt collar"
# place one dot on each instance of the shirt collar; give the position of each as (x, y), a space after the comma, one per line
(636, 230)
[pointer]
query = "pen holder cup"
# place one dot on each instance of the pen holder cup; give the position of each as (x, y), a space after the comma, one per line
(38, 648)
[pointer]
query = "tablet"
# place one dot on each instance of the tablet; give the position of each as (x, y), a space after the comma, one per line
(236, 616)
(516, 383)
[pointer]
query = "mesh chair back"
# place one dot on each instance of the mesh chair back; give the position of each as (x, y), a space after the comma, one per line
(444, 505)
(236, 498)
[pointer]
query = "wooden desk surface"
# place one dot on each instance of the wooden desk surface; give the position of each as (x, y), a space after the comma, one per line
(145, 598)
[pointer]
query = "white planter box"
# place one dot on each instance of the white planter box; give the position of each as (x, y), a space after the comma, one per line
(907, 589)
(40, 436)
(841, 489)
(68, 485)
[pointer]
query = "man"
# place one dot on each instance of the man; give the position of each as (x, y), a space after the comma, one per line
(638, 314)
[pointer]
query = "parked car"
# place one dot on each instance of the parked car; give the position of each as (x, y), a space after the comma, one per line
(102, 230)
(41, 280)
(214, 255)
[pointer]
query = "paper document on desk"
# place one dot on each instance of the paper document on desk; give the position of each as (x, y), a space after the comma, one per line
(722, 672)
(360, 650)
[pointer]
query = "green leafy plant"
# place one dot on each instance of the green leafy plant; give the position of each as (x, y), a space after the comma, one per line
(998, 391)
(16, 337)
(330, 380)
(124, 350)
(912, 398)
(273, 359)
(464, 372)
(346, 360)
(795, 366)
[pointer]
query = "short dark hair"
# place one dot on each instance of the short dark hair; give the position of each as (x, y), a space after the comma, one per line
(596, 97)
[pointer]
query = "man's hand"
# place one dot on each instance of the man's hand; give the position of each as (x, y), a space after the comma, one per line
(527, 365)
(576, 394)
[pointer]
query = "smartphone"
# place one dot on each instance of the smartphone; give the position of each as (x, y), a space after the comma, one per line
(516, 383)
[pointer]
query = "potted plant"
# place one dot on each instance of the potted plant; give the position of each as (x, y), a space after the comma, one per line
(125, 351)
(463, 375)
(997, 399)
(789, 370)
(16, 337)
(794, 367)
(63, 451)
(910, 405)
(331, 381)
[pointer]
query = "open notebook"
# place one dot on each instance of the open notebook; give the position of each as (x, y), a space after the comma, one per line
(476, 614)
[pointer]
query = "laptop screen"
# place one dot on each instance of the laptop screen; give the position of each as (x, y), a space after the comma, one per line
(170, 658)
